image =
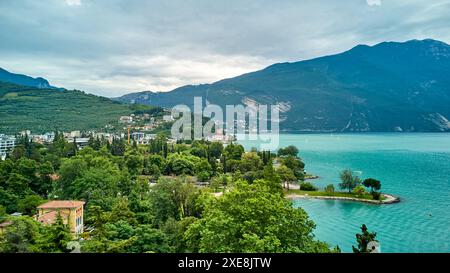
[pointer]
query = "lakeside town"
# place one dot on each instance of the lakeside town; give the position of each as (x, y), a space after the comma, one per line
(134, 128)
(73, 182)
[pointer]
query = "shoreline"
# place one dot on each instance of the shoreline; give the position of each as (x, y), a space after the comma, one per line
(389, 199)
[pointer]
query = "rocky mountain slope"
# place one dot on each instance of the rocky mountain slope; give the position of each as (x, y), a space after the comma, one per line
(383, 88)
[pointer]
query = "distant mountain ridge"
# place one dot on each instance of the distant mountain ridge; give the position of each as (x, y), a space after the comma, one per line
(387, 87)
(24, 80)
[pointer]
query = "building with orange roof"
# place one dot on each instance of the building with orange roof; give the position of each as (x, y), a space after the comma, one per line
(70, 211)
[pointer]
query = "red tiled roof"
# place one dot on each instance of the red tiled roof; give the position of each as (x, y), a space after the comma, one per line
(58, 204)
(50, 217)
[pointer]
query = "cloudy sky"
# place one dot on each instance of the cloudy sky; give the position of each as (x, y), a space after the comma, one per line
(112, 47)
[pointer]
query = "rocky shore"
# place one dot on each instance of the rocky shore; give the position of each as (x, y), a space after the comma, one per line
(388, 199)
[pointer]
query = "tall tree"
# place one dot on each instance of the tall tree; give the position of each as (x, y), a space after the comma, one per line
(253, 218)
(288, 151)
(363, 239)
(286, 175)
(58, 236)
(296, 165)
(373, 184)
(348, 180)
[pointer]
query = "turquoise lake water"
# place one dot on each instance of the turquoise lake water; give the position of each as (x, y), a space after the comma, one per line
(415, 167)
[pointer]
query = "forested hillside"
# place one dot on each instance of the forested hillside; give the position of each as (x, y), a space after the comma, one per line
(43, 110)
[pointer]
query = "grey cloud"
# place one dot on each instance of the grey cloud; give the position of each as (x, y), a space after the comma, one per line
(111, 47)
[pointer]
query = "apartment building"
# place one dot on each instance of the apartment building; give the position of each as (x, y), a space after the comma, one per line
(7, 143)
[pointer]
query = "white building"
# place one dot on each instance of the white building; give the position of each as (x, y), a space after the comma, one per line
(142, 138)
(75, 134)
(7, 143)
(49, 137)
(82, 142)
(126, 119)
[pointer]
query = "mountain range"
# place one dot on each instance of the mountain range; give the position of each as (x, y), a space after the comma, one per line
(387, 87)
(24, 80)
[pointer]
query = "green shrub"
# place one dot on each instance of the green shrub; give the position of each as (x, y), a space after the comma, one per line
(306, 186)
(329, 188)
(203, 176)
(359, 190)
(376, 195)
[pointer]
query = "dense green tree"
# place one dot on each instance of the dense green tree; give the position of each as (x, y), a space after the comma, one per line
(6, 167)
(53, 159)
(251, 176)
(286, 175)
(307, 186)
(119, 230)
(56, 237)
(296, 165)
(250, 162)
(97, 218)
(180, 164)
(252, 218)
(17, 153)
(102, 239)
(8, 200)
(91, 142)
(28, 204)
(73, 148)
(150, 240)
(159, 145)
(373, 184)
(46, 182)
(98, 186)
(139, 201)
(118, 147)
(233, 151)
(203, 166)
(121, 212)
(288, 151)
(21, 237)
(273, 179)
(220, 181)
(162, 206)
(154, 171)
(199, 149)
(3, 213)
(27, 168)
(175, 233)
(18, 184)
(215, 149)
(173, 199)
(232, 165)
(59, 146)
(71, 170)
(157, 160)
(135, 163)
(266, 157)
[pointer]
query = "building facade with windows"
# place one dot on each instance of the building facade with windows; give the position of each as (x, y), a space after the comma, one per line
(7, 143)
(70, 211)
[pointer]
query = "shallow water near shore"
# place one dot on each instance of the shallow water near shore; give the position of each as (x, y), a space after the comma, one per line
(414, 166)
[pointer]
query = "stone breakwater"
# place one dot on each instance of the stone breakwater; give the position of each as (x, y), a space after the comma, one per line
(389, 199)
